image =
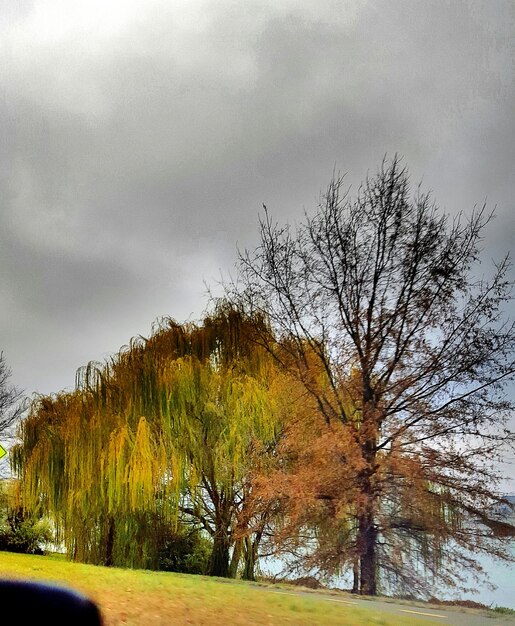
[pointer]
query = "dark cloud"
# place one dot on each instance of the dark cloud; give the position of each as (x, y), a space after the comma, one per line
(139, 140)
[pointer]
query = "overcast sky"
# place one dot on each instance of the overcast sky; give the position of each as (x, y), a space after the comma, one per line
(139, 139)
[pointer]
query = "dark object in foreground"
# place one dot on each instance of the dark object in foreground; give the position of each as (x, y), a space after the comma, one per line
(37, 603)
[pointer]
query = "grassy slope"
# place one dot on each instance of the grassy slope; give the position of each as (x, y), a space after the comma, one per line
(144, 598)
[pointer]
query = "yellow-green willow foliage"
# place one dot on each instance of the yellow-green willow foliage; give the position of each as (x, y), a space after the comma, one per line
(165, 424)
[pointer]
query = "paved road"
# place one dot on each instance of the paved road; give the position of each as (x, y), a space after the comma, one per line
(433, 614)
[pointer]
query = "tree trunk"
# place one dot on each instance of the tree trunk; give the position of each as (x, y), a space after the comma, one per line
(367, 540)
(367, 530)
(108, 562)
(235, 559)
(355, 576)
(219, 561)
(251, 549)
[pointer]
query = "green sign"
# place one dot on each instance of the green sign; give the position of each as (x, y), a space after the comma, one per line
(3, 451)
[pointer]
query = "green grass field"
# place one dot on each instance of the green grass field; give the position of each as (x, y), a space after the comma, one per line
(144, 598)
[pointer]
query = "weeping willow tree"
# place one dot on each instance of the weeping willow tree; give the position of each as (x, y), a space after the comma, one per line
(164, 428)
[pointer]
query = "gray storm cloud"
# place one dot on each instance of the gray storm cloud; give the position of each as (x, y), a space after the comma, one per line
(139, 140)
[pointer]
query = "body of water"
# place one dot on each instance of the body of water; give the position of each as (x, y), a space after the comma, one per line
(502, 575)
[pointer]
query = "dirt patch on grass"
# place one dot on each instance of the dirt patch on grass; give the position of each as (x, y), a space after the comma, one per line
(467, 604)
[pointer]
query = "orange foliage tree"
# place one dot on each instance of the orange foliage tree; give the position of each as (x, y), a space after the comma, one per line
(405, 355)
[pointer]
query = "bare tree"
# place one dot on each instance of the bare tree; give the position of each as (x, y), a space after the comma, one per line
(384, 289)
(11, 401)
